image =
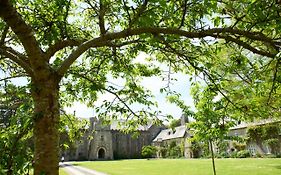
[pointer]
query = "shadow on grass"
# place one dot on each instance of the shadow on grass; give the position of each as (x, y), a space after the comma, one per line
(68, 164)
(278, 167)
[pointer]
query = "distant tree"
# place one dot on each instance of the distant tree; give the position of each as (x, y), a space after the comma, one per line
(175, 123)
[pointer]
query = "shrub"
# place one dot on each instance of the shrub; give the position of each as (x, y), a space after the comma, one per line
(274, 145)
(239, 146)
(148, 151)
(233, 154)
(224, 154)
(243, 154)
(175, 152)
(163, 151)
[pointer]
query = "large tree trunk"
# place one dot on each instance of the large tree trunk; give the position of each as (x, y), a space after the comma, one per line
(46, 122)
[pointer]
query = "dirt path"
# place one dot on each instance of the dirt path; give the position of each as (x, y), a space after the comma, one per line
(77, 170)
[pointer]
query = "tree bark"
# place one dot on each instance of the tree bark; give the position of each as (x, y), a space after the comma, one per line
(46, 122)
(213, 157)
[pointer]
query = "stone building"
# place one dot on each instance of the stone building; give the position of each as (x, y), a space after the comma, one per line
(252, 146)
(108, 142)
(180, 136)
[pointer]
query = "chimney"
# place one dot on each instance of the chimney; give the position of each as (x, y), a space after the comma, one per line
(182, 120)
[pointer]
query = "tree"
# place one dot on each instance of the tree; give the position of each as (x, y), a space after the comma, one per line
(212, 124)
(15, 130)
(53, 42)
(16, 150)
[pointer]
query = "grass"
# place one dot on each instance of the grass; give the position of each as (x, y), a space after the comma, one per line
(61, 172)
(249, 166)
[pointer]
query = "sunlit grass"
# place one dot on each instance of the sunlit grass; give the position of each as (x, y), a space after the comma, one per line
(62, 172)
(249, 166)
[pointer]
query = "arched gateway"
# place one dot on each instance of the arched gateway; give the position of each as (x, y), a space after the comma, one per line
(101, 153)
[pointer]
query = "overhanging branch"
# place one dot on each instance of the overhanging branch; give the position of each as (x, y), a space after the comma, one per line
(215, 32)
(61, 45)
(109, 91)
(23, 31)
(17, 59)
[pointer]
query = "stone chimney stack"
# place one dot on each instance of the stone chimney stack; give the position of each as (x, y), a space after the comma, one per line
(182, 120)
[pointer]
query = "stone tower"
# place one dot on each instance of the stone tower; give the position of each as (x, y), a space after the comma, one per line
(100, 147)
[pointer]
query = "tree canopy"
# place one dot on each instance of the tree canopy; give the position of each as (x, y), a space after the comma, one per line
(72, 47)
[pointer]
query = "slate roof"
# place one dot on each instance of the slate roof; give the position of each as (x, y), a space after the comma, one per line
(256, 123)
(167, 134)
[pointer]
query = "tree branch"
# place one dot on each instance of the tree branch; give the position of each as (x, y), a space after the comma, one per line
(4, 34)
(24, 32)
(109, 91)
(17, 58)
(101, 17)
(61, 45)
(248, 46)
(273, 81)
(11, 77)
(140, 10)
(127, 11)
(183, 14)
(198, 68)
(214, 32)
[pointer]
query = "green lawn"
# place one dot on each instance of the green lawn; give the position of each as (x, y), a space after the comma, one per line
(186, 167)
(62, 172)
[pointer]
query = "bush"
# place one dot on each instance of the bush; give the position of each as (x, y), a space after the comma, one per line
(243, 154)
(239, 146)
(175, 152)
(163, 152)
(223, 154)
(270, 156)
(148, 151)
(233, 154)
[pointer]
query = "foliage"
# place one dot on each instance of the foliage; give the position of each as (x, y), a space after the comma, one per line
(266, 134)
(16, 143)
(16, 150)
(77, 45)
(239, 146)
(174, 150)
(243, 154)
(175, 123)
(222, 146)
(148, 151)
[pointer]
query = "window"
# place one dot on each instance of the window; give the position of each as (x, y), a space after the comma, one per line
(102, 138)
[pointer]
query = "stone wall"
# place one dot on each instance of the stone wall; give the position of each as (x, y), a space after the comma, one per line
(127, 147)
(102, 140)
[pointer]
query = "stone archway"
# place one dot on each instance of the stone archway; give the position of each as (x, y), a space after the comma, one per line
(101, 153)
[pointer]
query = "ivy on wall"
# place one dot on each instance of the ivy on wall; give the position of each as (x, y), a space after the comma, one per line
(268, 134)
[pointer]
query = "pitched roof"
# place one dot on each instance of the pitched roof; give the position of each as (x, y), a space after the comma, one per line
(256, 123)
(166, 134)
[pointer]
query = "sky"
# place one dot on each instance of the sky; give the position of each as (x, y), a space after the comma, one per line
(152, 83)
(182, 86)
